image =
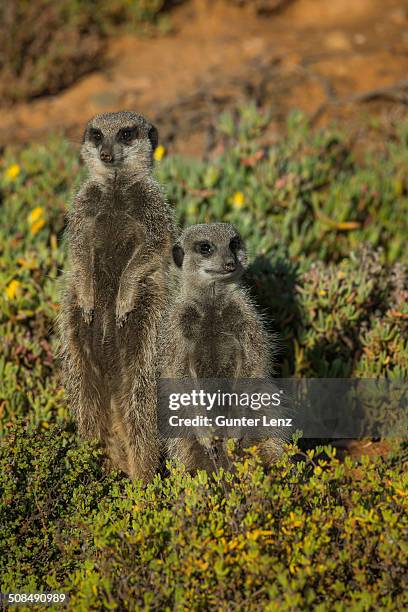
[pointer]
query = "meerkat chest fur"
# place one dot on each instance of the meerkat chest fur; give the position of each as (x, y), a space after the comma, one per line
(120, 227)
(221, 314)
(213, 328)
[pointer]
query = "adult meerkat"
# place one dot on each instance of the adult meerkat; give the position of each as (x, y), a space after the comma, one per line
(213, 330)
(120, 233)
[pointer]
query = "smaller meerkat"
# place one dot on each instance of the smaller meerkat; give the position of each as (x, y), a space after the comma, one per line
(212, 330)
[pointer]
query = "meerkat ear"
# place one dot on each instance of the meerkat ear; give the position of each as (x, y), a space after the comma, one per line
(85, 134)
(178, 255)
(153, 137)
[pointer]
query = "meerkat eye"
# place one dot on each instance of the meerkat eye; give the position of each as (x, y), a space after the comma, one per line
(96, 136)
(204, 248)
(126, 135)
(235, 244)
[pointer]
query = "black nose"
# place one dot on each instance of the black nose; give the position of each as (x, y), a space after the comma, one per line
(229, 266)
(106, 156)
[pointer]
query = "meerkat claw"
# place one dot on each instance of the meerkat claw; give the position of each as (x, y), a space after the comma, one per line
(87, 316)
(121, 320)
(122, 313)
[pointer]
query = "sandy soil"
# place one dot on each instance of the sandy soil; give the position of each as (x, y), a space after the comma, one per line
(307, 55)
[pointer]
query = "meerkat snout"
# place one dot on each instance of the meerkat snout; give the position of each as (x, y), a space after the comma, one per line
(230, 265)
(212, 252)
(122, 141)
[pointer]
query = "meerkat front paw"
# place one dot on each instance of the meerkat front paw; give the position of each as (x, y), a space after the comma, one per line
(121, 320)
(123, 308)
(86, 303)
(87, 315)
(87, 308)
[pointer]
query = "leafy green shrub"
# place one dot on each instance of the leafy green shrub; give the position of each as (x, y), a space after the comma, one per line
(336, 320)
(47, 45)
(303, 535)
(46, 479)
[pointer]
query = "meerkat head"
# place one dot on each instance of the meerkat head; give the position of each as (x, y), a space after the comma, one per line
(115, 142)
(210, 253)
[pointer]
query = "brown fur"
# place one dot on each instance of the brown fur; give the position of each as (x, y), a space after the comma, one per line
(119, 233)
(213, 330)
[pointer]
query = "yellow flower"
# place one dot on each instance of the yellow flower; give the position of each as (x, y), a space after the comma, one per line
(322, 292)
(37, 226)
(159, 153)
(35, 214)
(12, 172)
(238, 200)
(13, 289)
(36, 219)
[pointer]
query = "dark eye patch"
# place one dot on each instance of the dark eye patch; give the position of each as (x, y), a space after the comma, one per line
(127, 134)
(96, 135)
(235, 244)
(204, 248)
